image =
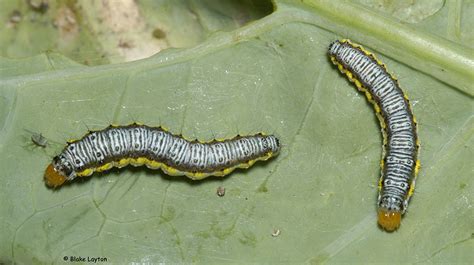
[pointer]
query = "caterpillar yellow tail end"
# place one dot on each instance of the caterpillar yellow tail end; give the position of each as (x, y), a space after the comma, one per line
(389, 220)
(53, 178)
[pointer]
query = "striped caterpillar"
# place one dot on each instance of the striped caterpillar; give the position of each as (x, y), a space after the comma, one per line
(155, 147)
(399, 164)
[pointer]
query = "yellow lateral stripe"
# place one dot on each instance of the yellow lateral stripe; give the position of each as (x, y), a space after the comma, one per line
(380, 183)
(169, 170)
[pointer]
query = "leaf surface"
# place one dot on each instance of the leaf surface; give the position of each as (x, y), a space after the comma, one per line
(270, 75)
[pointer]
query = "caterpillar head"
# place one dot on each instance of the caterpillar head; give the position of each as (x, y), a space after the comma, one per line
(57, 172)
(390, 213)
(389, 220)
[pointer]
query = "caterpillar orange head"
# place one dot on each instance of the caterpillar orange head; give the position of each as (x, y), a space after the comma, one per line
(53, 178)
(57, 173)
(390, 210)
(389, 220)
